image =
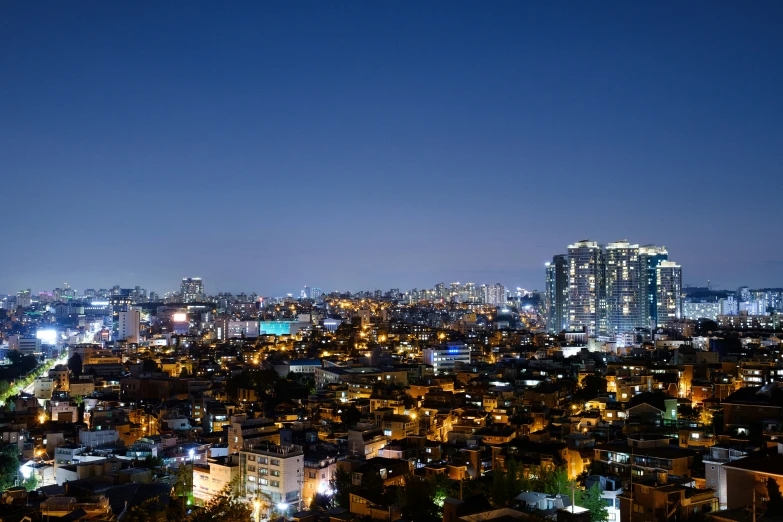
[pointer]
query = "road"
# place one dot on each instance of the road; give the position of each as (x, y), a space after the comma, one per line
(30, 387)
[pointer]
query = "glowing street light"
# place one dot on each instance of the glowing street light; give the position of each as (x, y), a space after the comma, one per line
(256, 510)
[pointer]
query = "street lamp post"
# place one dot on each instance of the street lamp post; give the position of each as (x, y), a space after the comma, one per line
(256, 510)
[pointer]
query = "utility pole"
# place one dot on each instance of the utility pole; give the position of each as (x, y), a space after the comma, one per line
(630, 512)
(573, 496)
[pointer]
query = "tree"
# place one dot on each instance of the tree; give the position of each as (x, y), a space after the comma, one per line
(342, 485)
(421, 499)
(224, 507)
(75, 365)
(591, 500)
(148, 365)
(351, 416)
(553, 481)
(441, 487)
(499, 493)
(9, 465)
(775, 502)
(320, 501)
(151, 510)
(31, 482)
(415, 498)
(590, 387)
(687, 411)
(183, 487)
(593, 469)
(151, 462)
(372, 481)
(512, 479)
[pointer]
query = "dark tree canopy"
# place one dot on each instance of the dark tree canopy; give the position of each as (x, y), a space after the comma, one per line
(774, 497)
(75, 365)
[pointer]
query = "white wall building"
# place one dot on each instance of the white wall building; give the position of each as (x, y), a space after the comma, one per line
(98, 437)
(42, 387)
(304, 366)
(702, 310)
(209, 480)
(277, 472)
(130, 325)
(445, 358)
(26, 345)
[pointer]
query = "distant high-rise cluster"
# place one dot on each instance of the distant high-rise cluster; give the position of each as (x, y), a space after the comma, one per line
(612, 289)
(192, 290)
(493, 295)
(310, 292)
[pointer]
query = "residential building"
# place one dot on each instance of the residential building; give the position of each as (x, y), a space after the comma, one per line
(366, 440)
(319, 469)
(192, 290)
(495, 295)
(446, 358)
(700, 310)
(645, 457)
(556, 299)
(277, 471)
(129, 325)
(397, 427)
(623, 288)
(215, 476)
(655, 499)
(586, 299)
(669, 292)
(746, 479)
(650, 257)
(714, 471)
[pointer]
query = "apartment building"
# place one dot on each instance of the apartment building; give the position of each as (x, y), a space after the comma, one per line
(277, 471)
(212, 478)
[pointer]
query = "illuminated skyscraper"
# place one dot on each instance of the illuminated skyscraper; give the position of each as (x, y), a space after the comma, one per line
(649, 258)
(586, 300)
(612, 290)
(557, 294)
(623, 288)
(192, 290)
(669, 289)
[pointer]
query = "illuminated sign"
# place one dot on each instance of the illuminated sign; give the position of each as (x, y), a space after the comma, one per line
(99, 303)
(179, 318)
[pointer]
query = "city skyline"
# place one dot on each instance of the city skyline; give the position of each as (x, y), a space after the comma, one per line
(210, 288)
(376, 145)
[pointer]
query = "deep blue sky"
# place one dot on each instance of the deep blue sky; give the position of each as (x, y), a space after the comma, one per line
(359, 145)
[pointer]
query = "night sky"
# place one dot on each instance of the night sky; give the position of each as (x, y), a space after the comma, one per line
(362, 145)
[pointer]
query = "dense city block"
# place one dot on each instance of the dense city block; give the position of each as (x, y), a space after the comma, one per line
(615, 394)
